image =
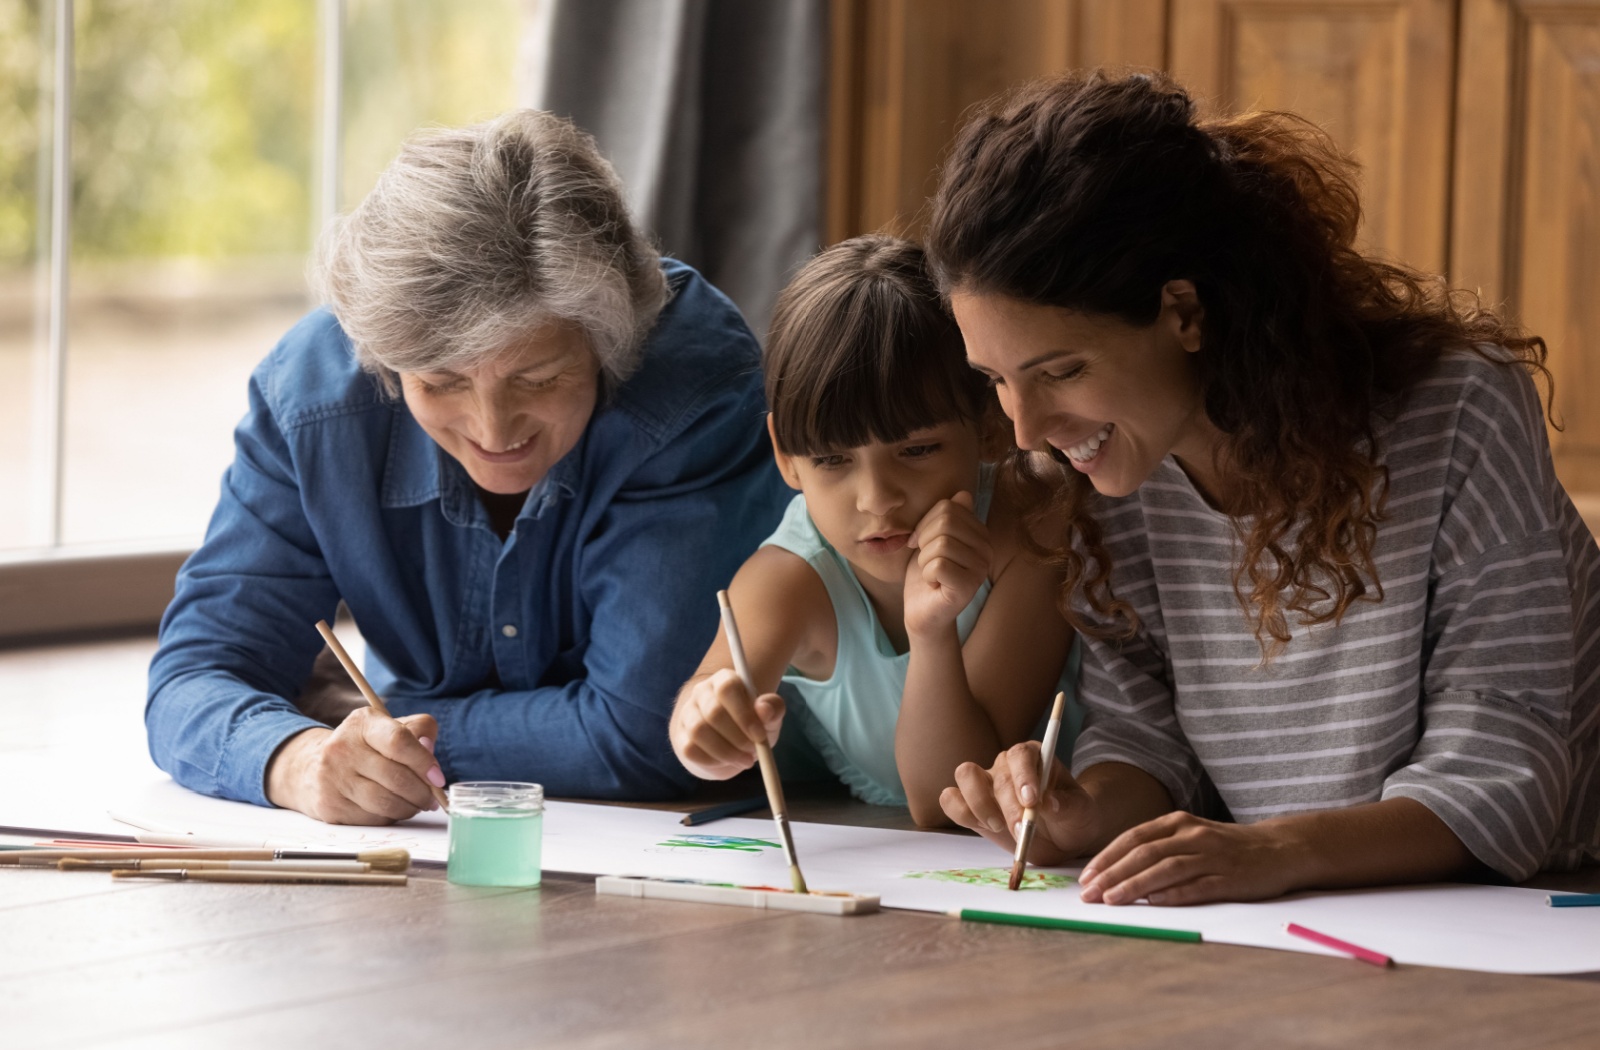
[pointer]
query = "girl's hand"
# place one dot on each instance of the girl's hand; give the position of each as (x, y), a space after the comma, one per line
(714, 726)
(953, 559)
(1181, 859)
(991, 802)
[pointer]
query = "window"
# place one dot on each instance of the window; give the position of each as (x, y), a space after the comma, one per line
(208, 141)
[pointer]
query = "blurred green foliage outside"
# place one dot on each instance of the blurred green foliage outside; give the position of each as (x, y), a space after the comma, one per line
(195, 121)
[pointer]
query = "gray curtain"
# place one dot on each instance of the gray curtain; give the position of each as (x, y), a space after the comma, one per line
(712, 112)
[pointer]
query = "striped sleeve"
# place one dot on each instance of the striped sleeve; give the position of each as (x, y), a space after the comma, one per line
(1492, 761)
(1129, 717)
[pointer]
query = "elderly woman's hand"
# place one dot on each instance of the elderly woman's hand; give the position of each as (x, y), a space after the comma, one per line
(370, 770)
(715, 725)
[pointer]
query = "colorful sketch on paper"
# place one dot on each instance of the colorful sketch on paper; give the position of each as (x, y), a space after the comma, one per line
(1031, 880)
(727, 842)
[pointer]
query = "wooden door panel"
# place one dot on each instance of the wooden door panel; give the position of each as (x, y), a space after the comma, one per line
(905, 71)
(1376, 75)
(1527, 224)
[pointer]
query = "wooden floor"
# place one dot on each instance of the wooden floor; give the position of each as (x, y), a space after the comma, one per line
(88, 963)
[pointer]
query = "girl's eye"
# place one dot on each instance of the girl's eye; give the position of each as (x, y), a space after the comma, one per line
(827, 462)
(919, 451)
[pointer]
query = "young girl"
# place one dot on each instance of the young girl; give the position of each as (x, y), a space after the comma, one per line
(898, 571)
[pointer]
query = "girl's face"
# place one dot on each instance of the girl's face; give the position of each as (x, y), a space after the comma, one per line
(1109, 398)
(511, 418)
(866, 501)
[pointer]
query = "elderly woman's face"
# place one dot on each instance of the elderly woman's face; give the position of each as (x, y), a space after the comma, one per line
(511, 418)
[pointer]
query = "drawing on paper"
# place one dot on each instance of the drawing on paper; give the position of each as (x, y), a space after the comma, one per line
(1031, 880)
(722, 842)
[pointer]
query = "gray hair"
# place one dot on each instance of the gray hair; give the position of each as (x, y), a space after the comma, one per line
(475, 237)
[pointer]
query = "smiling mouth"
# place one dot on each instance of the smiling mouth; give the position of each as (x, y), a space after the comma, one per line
(508, 454)
(1087, 450)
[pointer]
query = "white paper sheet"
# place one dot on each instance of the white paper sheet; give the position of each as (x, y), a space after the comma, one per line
(1488, 928)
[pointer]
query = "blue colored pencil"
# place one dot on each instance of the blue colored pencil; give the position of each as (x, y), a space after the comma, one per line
(1574, 900)
(727, 809)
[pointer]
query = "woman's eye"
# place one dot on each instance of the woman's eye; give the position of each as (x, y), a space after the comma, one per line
(1061, 377)
(993, 381)
(439, 388)
(539, 384)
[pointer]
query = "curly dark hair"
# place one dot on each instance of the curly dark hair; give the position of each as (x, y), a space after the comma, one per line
(1091, 191)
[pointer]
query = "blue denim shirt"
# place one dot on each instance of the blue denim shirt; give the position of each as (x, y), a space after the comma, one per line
(553, 656)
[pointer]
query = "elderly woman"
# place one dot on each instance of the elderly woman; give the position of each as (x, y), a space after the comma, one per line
(522, 448)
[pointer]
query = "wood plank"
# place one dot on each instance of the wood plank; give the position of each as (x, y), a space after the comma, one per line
(411, 940)
(1378, 76)
(904, 74)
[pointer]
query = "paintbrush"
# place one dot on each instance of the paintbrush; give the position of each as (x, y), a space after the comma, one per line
(373, 699)
(263, 876)
(380, 859)
(1047, 754)
(769, 765)
(325, 867)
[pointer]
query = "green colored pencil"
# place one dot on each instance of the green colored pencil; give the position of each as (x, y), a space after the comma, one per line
(1154, 933)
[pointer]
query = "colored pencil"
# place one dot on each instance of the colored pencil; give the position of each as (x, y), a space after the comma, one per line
(769, 765)
(263, 876)
(1574, 900)
(1047, 754)
(1366, 955)
(727, 809)
(373, 698)
(1154, 933)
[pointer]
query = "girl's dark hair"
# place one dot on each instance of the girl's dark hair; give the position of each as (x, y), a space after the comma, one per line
(1091, 192)
(861, 348)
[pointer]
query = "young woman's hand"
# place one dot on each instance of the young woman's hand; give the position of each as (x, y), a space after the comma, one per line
(1180, 858)
(715, 725)
(371, 769)
(990, 802)
(952, 561)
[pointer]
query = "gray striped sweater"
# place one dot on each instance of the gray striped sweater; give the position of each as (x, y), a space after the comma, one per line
(1473, 687)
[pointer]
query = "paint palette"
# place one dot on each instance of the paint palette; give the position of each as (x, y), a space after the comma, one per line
(701, 892)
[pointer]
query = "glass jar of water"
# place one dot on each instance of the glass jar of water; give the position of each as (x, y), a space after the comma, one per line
(496, 831)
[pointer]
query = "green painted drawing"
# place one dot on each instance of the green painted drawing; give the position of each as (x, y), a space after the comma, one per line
(1031, 880)
(732, 842)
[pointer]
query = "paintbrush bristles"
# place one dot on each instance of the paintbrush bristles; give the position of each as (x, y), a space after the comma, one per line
(386, 859)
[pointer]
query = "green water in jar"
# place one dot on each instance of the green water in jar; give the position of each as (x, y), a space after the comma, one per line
(495, 848)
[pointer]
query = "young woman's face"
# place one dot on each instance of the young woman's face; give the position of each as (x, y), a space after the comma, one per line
(511, 418)
(866, 501)
(1109, 398)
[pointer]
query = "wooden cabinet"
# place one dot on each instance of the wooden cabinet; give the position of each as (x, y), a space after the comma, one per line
(1477, 124)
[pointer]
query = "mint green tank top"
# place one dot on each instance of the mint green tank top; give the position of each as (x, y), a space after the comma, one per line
(850, 718)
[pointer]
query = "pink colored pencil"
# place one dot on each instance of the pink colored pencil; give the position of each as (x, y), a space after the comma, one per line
(1366, 955)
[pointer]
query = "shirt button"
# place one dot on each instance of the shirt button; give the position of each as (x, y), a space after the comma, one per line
(509, 630)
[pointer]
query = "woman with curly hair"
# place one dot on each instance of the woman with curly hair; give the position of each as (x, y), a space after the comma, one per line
(1340, 616)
